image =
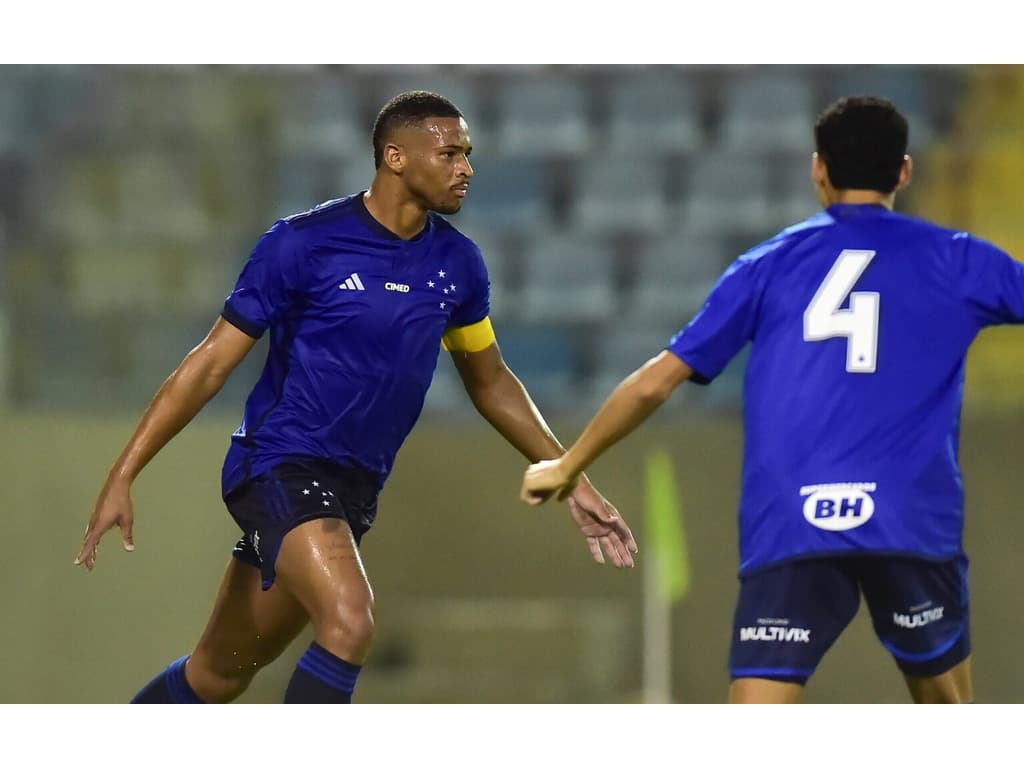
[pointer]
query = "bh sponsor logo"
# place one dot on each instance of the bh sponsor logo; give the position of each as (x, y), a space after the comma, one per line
(838, 506)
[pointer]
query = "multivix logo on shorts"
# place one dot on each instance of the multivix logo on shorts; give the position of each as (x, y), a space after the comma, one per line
(838, 506)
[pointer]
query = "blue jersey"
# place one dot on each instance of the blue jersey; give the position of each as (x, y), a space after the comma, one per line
(356, 316)
(860, 320)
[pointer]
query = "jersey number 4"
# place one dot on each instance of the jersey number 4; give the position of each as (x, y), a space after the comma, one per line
(823, 318)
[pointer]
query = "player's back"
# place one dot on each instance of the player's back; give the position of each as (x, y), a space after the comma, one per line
(860, 320)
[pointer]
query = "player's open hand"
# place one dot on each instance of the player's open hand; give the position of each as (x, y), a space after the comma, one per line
(602, 525)
(114, 507)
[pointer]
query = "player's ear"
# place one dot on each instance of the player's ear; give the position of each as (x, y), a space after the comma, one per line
(819, 172)
(906, 171)
(394, 157)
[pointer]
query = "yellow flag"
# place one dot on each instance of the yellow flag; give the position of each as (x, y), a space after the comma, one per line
(664, 527)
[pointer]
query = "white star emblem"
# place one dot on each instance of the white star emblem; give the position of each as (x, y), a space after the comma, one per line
(327, 503)
(445, 291)
(330, 493)
(305, 491)
(442, 305)
(430, 283)
(441, 273)
(452, 286)
(316, 484)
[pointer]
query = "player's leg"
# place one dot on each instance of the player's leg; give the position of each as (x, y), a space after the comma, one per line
(319, 564)
(786, 618)
(247, 630)
(306, 522)
(920, 613)
(951, 687)
(753, 690)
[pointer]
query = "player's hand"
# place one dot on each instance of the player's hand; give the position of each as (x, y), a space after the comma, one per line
(114, 507)
(602, 525)
(546, 479)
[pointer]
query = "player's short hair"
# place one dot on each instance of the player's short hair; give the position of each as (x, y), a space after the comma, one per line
(405, 109)
(862, 140)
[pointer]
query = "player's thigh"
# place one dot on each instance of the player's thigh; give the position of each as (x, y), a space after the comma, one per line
(786, 618)
(920, 612)
(319, 564)
(249, 627)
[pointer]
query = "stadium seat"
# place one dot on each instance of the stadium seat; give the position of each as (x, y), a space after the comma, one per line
(567, 278)
(674, 274)
(542, 115)
(657, 109)
(729, 192)
(766, 109)
(620, 194)
(322, 114)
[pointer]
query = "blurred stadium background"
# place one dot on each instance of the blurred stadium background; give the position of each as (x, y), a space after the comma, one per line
(606, 201)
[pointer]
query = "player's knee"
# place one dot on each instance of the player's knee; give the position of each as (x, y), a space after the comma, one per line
(346, 627)
(218, 681)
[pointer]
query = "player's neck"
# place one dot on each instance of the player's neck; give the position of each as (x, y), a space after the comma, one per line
(861, 197)
(397, 213)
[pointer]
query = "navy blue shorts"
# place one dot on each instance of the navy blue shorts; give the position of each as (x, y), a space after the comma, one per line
(267, 506)
(788, 616)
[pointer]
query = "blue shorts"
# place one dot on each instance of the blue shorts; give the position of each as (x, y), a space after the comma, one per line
(789, 615)
(267, 506)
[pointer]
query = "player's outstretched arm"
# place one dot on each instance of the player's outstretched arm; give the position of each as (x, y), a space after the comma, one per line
(628, 406)
(500, 398)
(193, 384)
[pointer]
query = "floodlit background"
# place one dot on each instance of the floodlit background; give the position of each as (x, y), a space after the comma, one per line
(606, 202)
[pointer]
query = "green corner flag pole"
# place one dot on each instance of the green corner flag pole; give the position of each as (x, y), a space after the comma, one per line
(667, 579)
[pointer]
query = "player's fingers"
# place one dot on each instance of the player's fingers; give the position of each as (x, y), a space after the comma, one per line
(610, 550)
(595, 549)
(87, 556)
(533, 496)
(626, 535)
(622, 557)
(126, 536)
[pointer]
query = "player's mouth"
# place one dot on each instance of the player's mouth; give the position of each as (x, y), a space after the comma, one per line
(461, 189)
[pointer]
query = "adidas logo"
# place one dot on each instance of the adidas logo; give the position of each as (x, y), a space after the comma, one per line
(352, 283)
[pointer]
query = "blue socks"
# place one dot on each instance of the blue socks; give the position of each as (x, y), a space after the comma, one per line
(322, 678)
(169, 687)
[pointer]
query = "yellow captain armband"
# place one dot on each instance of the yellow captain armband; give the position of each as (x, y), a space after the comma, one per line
(469, 338)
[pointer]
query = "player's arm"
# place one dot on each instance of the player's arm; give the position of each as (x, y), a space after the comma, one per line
(192, 385)
(628, 406)
(503, 401)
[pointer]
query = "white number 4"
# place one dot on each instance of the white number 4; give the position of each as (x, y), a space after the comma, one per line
(823, 319)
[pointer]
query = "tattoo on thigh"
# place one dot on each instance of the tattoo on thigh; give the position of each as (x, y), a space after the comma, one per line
(330, 524)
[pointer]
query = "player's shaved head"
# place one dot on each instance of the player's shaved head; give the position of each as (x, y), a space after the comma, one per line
(862, 141)
(404, 110)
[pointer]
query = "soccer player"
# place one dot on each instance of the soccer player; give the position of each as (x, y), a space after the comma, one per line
(860, 319)
(359, 295)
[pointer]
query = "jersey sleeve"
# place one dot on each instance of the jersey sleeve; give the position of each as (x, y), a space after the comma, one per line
(724, 324)
(268, 283)
(477, 304)
(991, 281)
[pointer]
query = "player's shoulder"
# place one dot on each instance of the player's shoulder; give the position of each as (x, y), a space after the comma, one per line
(787, 240)
(324, 214)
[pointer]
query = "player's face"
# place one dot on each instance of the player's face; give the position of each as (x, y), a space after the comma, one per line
(437, 168)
